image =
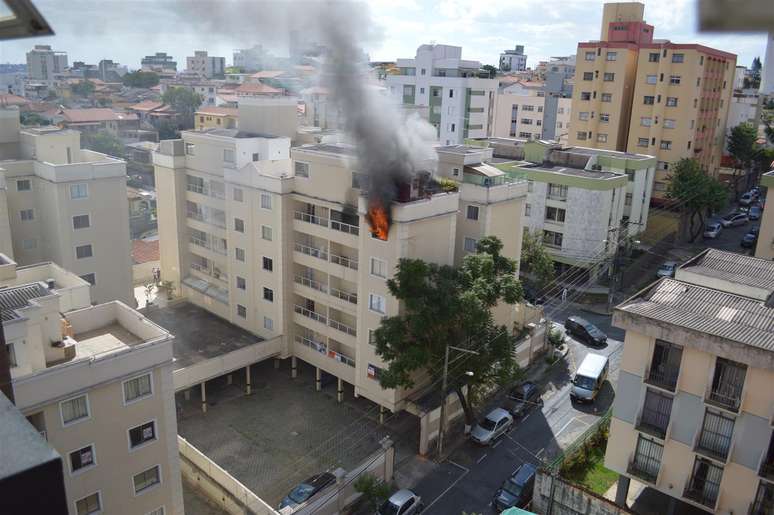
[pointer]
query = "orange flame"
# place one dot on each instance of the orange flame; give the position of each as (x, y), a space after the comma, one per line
(379, 220)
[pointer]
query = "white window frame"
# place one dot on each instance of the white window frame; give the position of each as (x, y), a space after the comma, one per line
(77, 420)
(226, 156)
(147, 488)
(670, 123)
(270, 325)
(467, 212)
(84, 245)
(236, 254)
(614, 56)
(382, 302)
(78, 185)
(371, 267)
(264, 289)
(81, 470)
(28, 181)
(11, 348)
(32, 215)
(244, 283)
(651, 79)
(465, 244)
(146, 442)
(146, 396)
(90, 273)
(161, 510)
(98, 493)
(241, 195)
(263, 233)
(269, 202)
(190, 149)
(81, 228)
(27, 246)
(245, 310)
(308, 169)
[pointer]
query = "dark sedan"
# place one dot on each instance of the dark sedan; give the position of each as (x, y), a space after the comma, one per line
(307, 489)
(584, 331)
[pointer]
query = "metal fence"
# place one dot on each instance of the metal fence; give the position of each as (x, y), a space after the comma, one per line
(576, 446)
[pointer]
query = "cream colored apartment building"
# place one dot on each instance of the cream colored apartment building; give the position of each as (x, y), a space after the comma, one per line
(765, 245)
(275, 240)
(65, 204)
(694, 407)
(638, 94)
(96, 381)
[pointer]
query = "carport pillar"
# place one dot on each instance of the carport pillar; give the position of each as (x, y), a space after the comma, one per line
(381, 414)
(293, 367)
(317, 378)
(622, 492)
(339, 389)
(276, 363)
(187, 394)
(204, 398)
(248, 386)
(229, 379)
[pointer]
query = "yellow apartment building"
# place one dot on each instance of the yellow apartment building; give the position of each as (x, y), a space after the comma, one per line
(765, 246)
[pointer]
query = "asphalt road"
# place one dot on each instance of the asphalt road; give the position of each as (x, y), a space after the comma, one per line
(467, 480)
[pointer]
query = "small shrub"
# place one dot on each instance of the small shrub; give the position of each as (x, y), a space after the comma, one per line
(447, 185)
(556, 337)
(373, 489)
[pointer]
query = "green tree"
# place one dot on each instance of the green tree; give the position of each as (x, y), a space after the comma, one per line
(492, 70)
(83, 89)
(696, 193)
(374, 490)
(168, 129)
(755, 73)
(743, 148)
(105, 143)
(444, 305)
(141, 79)
(234, 69)
(536, 262)
(28, 118)
(185, 102)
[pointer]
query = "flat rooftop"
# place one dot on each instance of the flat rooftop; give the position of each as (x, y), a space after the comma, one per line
(601, 152)
(104, 339)
(461, 149)
(199, 335)
(234, 133)
(341, 149)
(565, 170)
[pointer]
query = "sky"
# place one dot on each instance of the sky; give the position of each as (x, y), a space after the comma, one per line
(125, 31)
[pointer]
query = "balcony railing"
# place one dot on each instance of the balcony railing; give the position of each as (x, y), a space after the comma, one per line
(664, 377)
(325, 350)
(726, 396)
(344, 227)
(654, 421)
(199, 242)
(311, 283)
(301, 310)
(646, 461)
(344, 261)
(767, 469)
(702, 491)
(727, 384)
(764, 500)
(341, 294)
(311, 251)
(342, 327)
(309, 218)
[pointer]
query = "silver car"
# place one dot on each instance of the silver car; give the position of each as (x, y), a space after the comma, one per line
(494, 425)
(402, 502)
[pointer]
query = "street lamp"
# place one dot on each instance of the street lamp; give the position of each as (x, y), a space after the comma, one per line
(442, 427)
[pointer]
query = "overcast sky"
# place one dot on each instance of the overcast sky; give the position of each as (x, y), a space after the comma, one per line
(90, 30)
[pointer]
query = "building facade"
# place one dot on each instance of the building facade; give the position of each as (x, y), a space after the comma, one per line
(767, 73)
(513, 60)
(205, 65)
(693, 408)
(765, 245)
(461, 103)
(43, 63)
(159, 62)
(534, 109)
(96, 382)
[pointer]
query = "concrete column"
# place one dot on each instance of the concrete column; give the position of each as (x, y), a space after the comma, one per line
(293, 367)
(381, 414)
(317, 378)
(672, 508)
(204, 398)
(248, 385)
(229, 379)
(339, 390)
(276, 363)
(623, 490)
(187, 394)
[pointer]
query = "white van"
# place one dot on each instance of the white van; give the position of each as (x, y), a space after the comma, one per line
(589, 377)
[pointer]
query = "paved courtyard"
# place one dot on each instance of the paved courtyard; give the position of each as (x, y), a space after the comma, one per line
(286, 431)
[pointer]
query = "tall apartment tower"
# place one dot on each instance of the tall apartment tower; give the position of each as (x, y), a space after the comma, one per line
(767, 74)
(513, 60)
(638, 94)
(275, 239)
(43, 63)
(460, 104)
(64, 204)
(206, 66)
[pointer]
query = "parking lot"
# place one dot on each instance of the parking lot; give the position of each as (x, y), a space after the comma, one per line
(285, 431)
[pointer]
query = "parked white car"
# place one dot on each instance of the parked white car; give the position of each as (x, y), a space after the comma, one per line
(712, 230)
(494, 425)
(402, 502)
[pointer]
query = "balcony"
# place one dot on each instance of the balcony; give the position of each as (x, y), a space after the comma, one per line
(344, 261)
(325, 350)
(766, 469)
(716, 435)
(311, 251)
(345, 227)
(764, 500)
(646, 462)
(301, 310)
(704, 485)
(311, 283)
(665, 366)
(311, 219)
(343, 295)
(727, 384)
(339, 326)
(656, 413)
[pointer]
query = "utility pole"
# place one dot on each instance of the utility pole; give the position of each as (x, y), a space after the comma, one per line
(616, 262)
(444, 387)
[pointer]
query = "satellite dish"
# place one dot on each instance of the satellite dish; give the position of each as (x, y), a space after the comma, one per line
(23, 21)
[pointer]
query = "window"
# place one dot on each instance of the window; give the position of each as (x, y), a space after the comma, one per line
(81, 222)
(527, 209)
(268, 264)
(669, 123)
(241, 283)
(266, 232)
(642, 142)
(628, 200)
(704, 484)
(665, 145)
(422, 90)
(265, 201)
(11, 354)
(649, 100)
(90, 278)
(716, 433)
(147, 479)
(647, 458)
(607, 97)
(142, 434)
(526, 121)
(552, 239)
(302, 169)
(160, 510)
(656, 412)
(581, 136)
(701, 60)
(527, 107)
(602, 138)
(89, 504)
(470, 244)
(604, 117)
(239, 254)
(472, 213)
(241, 311)
(727, 383)
(671, 101)
(82, 458)
(588, 76)
(674, 79)
(590, 56)
(678, 58)
(583, 116)
(83, 251)
(268, 323)
(555, 214)
(138, 388)
(453, 126)
(376, 303)
(585, 95)
(256, 156)
(239, 225)
(659, 186)
(451, 93)
(646, 121)
(653, 57)
(238, 195)
(30, 244)
(650, 79)
(373, 372)
(378, 267)
(268, 294)
(228, 155)
(190, 149)
(557, 191)
(26, 215)
(540, 110)
(609, 77)
(560, 110)
(611, 56)
(23, 185)
(75, 409)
